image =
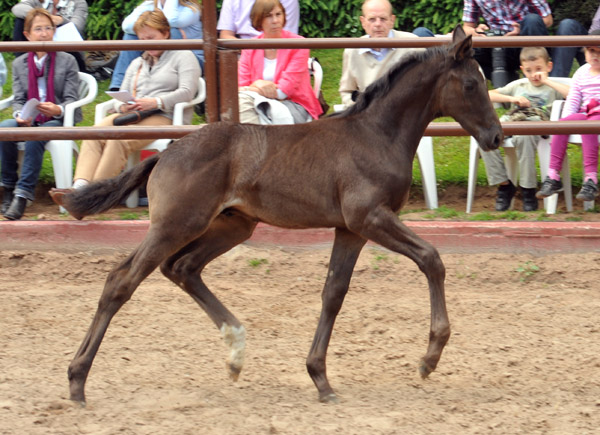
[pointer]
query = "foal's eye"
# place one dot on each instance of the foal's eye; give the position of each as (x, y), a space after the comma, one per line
(469, 85)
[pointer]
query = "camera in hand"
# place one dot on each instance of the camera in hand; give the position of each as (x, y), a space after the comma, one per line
(500, 74)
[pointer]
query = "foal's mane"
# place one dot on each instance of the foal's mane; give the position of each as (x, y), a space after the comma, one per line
(384, 84)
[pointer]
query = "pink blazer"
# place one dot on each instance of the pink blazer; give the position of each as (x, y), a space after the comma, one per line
(291, 73)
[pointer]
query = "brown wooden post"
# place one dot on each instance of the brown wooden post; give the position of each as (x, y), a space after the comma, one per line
(209, 21)
(228, 85)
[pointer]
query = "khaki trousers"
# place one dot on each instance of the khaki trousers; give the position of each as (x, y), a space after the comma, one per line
(526, 147)
(106, 158)
(248, 114)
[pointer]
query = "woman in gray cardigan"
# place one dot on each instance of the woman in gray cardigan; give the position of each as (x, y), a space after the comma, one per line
(52, 78)
(158, 80)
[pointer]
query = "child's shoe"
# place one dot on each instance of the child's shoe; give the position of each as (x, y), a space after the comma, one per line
(549, 187)
(504, 196)
(588, 192)
(530, 202)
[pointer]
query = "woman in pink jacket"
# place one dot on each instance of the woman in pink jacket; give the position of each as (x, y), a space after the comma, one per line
(275, 83)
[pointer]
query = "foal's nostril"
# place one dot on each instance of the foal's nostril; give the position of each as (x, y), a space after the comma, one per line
(498, 140)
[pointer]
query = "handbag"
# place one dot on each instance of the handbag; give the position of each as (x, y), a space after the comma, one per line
(134, 116)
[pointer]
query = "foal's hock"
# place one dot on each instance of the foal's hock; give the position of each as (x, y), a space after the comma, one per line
(351, 172)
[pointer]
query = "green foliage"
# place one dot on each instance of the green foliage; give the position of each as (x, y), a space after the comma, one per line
(330, 18)
(440, 16)
(527, 270)
(105, 17)
(443, 212)
(580, 10)
(7, 20)
(255, 262)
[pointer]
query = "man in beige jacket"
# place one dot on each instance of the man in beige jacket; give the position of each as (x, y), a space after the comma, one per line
(362, 66)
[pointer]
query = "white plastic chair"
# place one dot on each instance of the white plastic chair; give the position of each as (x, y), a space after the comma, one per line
(552, 201)
(316, 71)
(158, 144)
(61, 151)
(510, 158)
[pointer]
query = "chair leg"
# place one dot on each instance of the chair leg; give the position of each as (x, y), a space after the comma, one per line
(426, 163)
(543, 151)
(473, 164)
(132, 200)
(565, 175)
(61, 152)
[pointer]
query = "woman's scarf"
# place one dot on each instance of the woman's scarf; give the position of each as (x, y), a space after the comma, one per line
(32, 83)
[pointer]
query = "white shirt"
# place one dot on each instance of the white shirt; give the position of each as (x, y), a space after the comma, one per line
(235, 16)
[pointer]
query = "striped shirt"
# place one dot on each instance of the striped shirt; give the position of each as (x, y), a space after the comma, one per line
(584, 87)
(500, 14)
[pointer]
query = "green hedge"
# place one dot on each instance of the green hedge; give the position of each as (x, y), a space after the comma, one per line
(318, 18)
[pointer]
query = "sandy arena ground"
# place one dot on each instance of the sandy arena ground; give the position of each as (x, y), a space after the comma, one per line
(524, 356)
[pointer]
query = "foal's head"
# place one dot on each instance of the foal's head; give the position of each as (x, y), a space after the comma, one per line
(462, 93)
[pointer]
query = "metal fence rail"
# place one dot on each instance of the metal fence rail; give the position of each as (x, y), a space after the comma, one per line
(221, 78)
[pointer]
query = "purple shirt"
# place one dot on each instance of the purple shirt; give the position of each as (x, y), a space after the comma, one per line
(500, 14)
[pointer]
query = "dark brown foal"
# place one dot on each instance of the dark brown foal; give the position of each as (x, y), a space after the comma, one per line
(351, 172)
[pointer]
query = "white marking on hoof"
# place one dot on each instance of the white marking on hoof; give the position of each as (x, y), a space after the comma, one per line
(235, 338)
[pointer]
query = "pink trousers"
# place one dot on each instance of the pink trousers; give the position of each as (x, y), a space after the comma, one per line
(589, 146)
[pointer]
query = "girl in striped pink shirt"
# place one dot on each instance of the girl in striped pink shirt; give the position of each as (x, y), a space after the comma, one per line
(583, 103)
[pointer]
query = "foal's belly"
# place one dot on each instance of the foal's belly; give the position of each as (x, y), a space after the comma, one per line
(289, 211)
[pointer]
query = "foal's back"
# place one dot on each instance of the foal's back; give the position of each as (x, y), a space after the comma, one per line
(270, 173)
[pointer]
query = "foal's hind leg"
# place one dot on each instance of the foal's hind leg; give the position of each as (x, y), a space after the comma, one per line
(120, 285)
(383, 226)
(346, 249)
(185, 267)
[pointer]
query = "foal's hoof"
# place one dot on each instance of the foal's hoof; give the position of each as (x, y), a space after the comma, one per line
(234, 372)
(58, 196)
(78, 403)
(329, 398)
(425, 369)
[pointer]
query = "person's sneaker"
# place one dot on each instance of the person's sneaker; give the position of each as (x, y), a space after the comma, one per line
(504, 196)
(530, 202)
(588, 192)
(549, 187)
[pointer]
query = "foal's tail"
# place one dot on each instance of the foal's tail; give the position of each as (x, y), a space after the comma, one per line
(103, 195)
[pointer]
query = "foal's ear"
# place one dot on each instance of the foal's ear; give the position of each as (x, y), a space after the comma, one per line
(461, 43)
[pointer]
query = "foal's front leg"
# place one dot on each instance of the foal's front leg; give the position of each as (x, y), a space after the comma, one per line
(346, 249)
(383, 227)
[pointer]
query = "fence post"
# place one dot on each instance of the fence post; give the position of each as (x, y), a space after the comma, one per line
(228, 85)
(209, 20)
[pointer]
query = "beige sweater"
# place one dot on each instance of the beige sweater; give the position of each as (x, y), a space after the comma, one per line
(359, 70)
(174, 78)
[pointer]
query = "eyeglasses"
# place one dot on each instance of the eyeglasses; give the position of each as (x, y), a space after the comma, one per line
(43, 29)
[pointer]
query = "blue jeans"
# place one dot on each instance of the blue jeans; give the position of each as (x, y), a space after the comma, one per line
(423, 32)
(32, 162)
(563, 56)
(126, 57)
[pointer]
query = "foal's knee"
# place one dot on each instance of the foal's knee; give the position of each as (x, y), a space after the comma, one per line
(179, 270)
(432, 263)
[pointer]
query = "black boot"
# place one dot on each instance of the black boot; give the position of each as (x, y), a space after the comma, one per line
(7, 199)
(504, 196)
(530, 202)
(16, 209)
